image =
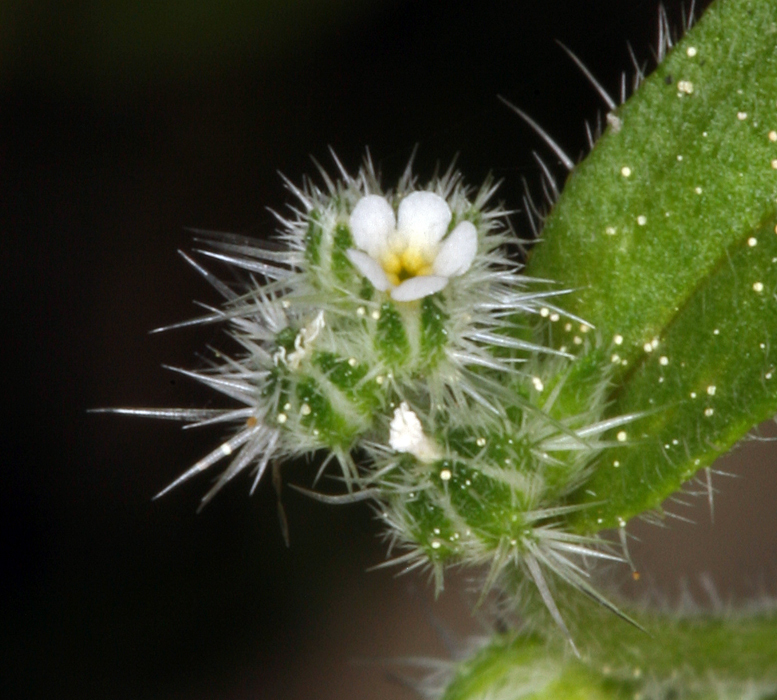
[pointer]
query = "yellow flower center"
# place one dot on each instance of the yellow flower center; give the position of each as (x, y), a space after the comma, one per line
(402, 265)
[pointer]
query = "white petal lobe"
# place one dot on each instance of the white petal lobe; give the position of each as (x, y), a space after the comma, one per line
(424, 217)
(418, 287)
(370, 268)
(458, 251)
(372, 220)
(406, 431)
(407, 435)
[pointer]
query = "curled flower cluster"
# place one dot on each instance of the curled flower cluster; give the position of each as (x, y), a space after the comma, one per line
(393, 323)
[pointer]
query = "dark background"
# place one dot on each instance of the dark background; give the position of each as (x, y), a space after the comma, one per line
(121, 124)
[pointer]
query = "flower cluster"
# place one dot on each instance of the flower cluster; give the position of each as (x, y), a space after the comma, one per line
(392, 323)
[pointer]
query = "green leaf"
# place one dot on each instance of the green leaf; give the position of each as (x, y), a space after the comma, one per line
(666, 233)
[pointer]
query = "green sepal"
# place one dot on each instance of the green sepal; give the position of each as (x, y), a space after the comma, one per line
(434, 334)
(313, 238)
(349, 378)
(341, 266)
(391, 338)
(334, 429)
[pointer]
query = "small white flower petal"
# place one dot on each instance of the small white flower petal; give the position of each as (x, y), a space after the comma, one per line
(405, 431)
(370, 268)
(418, 287)
(406, 434)
(372, 220)
(457, 252)
(423, 217)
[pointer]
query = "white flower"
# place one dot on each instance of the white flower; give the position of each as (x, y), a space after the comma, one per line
(406, 434)
(407, 255)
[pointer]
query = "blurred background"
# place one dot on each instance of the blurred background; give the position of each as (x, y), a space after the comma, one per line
(123, 123)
